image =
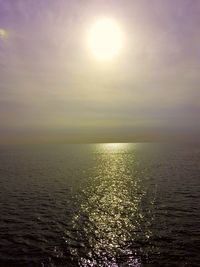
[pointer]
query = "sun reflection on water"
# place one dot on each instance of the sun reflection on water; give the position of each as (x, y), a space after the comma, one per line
(112, 147)
(109, 218)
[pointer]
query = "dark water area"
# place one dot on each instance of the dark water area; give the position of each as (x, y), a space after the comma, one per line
(109, 205)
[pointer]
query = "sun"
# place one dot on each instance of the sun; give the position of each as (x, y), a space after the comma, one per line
(105, 39)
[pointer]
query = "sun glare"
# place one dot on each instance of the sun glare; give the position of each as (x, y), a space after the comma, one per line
(105, 39)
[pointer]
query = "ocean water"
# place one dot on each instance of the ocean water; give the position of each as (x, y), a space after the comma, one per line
(109, 205)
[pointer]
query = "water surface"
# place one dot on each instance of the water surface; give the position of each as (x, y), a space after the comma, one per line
(109, 205)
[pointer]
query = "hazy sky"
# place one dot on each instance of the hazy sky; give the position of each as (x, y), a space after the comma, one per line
(51, 87)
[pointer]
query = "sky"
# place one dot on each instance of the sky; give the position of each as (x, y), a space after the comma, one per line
(53, 89)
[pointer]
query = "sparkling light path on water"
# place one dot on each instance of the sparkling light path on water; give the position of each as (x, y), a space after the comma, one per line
(110, 217)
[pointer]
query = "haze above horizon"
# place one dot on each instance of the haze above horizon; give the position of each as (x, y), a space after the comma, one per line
(137, 80)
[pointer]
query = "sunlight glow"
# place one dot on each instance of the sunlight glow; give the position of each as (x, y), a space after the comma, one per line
(105, 39)
(3, 34)
(114, 147)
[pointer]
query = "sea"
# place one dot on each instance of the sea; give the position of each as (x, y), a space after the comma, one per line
(100, 205)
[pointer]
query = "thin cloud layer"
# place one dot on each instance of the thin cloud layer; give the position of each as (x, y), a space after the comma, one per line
(52, 87)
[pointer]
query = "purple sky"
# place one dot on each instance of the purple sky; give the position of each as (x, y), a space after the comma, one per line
(52, 88)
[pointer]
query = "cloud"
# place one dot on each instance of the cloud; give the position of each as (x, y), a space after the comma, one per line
(49, 79)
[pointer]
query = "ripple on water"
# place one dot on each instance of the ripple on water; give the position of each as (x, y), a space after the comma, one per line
(100, 205)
